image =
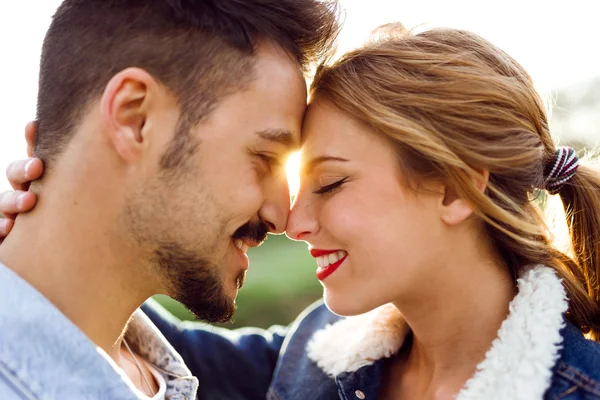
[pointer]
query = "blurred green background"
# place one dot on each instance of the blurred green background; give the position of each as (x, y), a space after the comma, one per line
(280, 283)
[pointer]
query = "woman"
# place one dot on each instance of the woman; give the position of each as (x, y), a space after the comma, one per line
(422, 154)
(423, 157)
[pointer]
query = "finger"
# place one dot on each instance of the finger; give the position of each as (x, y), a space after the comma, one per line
(12, 203)
(5, 227)
(21, 173)
(30, 134)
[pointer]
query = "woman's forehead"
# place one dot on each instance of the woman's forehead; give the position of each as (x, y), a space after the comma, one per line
(325, 124)
(329, 132)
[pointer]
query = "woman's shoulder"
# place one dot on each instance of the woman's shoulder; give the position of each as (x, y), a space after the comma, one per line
(312, 319)
(576, 374)
(579, 352)
(318, 322)
(345, 344)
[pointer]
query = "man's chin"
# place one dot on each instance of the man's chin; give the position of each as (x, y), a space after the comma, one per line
(215, 316)
(198, 284)
(216, 308)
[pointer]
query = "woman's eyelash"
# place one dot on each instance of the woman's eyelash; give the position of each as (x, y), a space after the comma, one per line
(330, 187)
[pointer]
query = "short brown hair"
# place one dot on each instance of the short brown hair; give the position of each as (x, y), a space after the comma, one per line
(201, 50)
(452, 104)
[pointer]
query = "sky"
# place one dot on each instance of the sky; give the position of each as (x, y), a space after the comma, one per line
(555, 40)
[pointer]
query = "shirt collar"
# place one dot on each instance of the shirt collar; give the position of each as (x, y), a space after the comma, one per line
(147, 341)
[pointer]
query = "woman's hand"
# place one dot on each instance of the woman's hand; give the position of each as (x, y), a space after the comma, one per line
(20, 174)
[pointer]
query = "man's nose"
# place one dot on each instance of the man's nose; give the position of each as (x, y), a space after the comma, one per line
(276, 207)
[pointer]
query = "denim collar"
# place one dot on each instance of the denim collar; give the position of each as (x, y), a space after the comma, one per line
(44, 354)
(518, 365)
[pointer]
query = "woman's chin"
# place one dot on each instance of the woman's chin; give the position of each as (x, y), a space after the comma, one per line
(346, 306)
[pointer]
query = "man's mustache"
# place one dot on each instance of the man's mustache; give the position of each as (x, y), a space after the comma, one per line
(253, 232)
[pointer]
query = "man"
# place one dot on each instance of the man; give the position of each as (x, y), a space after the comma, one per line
(165, 124)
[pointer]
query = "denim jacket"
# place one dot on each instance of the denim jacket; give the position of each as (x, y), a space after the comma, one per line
(536, 355)
(44, 356)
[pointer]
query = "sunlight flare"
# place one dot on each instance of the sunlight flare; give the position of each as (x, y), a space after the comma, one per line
(292, 170)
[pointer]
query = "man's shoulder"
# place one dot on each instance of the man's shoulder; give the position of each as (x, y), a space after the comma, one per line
(11, 388)
(44, 355)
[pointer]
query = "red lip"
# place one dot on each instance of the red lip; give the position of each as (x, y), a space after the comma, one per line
(318, 252)
(330, 269)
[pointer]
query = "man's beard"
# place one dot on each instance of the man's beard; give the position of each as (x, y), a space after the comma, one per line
(195, 282)
(190, 276)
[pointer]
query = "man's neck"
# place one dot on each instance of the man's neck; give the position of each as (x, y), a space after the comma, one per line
(78, 263)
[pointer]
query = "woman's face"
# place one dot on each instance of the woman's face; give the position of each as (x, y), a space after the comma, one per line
(375, 240)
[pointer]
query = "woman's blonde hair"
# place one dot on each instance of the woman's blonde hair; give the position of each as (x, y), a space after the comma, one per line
(453, 104)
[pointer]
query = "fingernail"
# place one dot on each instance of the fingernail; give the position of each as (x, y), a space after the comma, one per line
(27, 167)
(21, 200)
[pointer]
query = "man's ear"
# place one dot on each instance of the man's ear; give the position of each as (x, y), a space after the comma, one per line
(124, 111)
(30, 134)
(455, 209)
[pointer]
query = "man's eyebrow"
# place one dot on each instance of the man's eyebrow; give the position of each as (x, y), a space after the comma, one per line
(281, 136)
(312, 163)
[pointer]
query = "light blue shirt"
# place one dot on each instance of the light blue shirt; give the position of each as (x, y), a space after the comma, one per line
(44, 356)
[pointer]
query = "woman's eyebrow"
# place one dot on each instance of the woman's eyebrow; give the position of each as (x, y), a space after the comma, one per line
(313, 162)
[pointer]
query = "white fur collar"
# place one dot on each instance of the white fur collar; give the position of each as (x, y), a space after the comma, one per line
(517, 366)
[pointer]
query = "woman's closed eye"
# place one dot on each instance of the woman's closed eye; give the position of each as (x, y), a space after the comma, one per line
(326, 189)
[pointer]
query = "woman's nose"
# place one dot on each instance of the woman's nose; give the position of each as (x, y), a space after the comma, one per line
(301, 221)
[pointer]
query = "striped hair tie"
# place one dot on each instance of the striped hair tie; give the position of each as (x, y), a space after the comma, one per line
(561, 170)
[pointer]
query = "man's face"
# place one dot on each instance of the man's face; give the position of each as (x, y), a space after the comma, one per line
(197, 221)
